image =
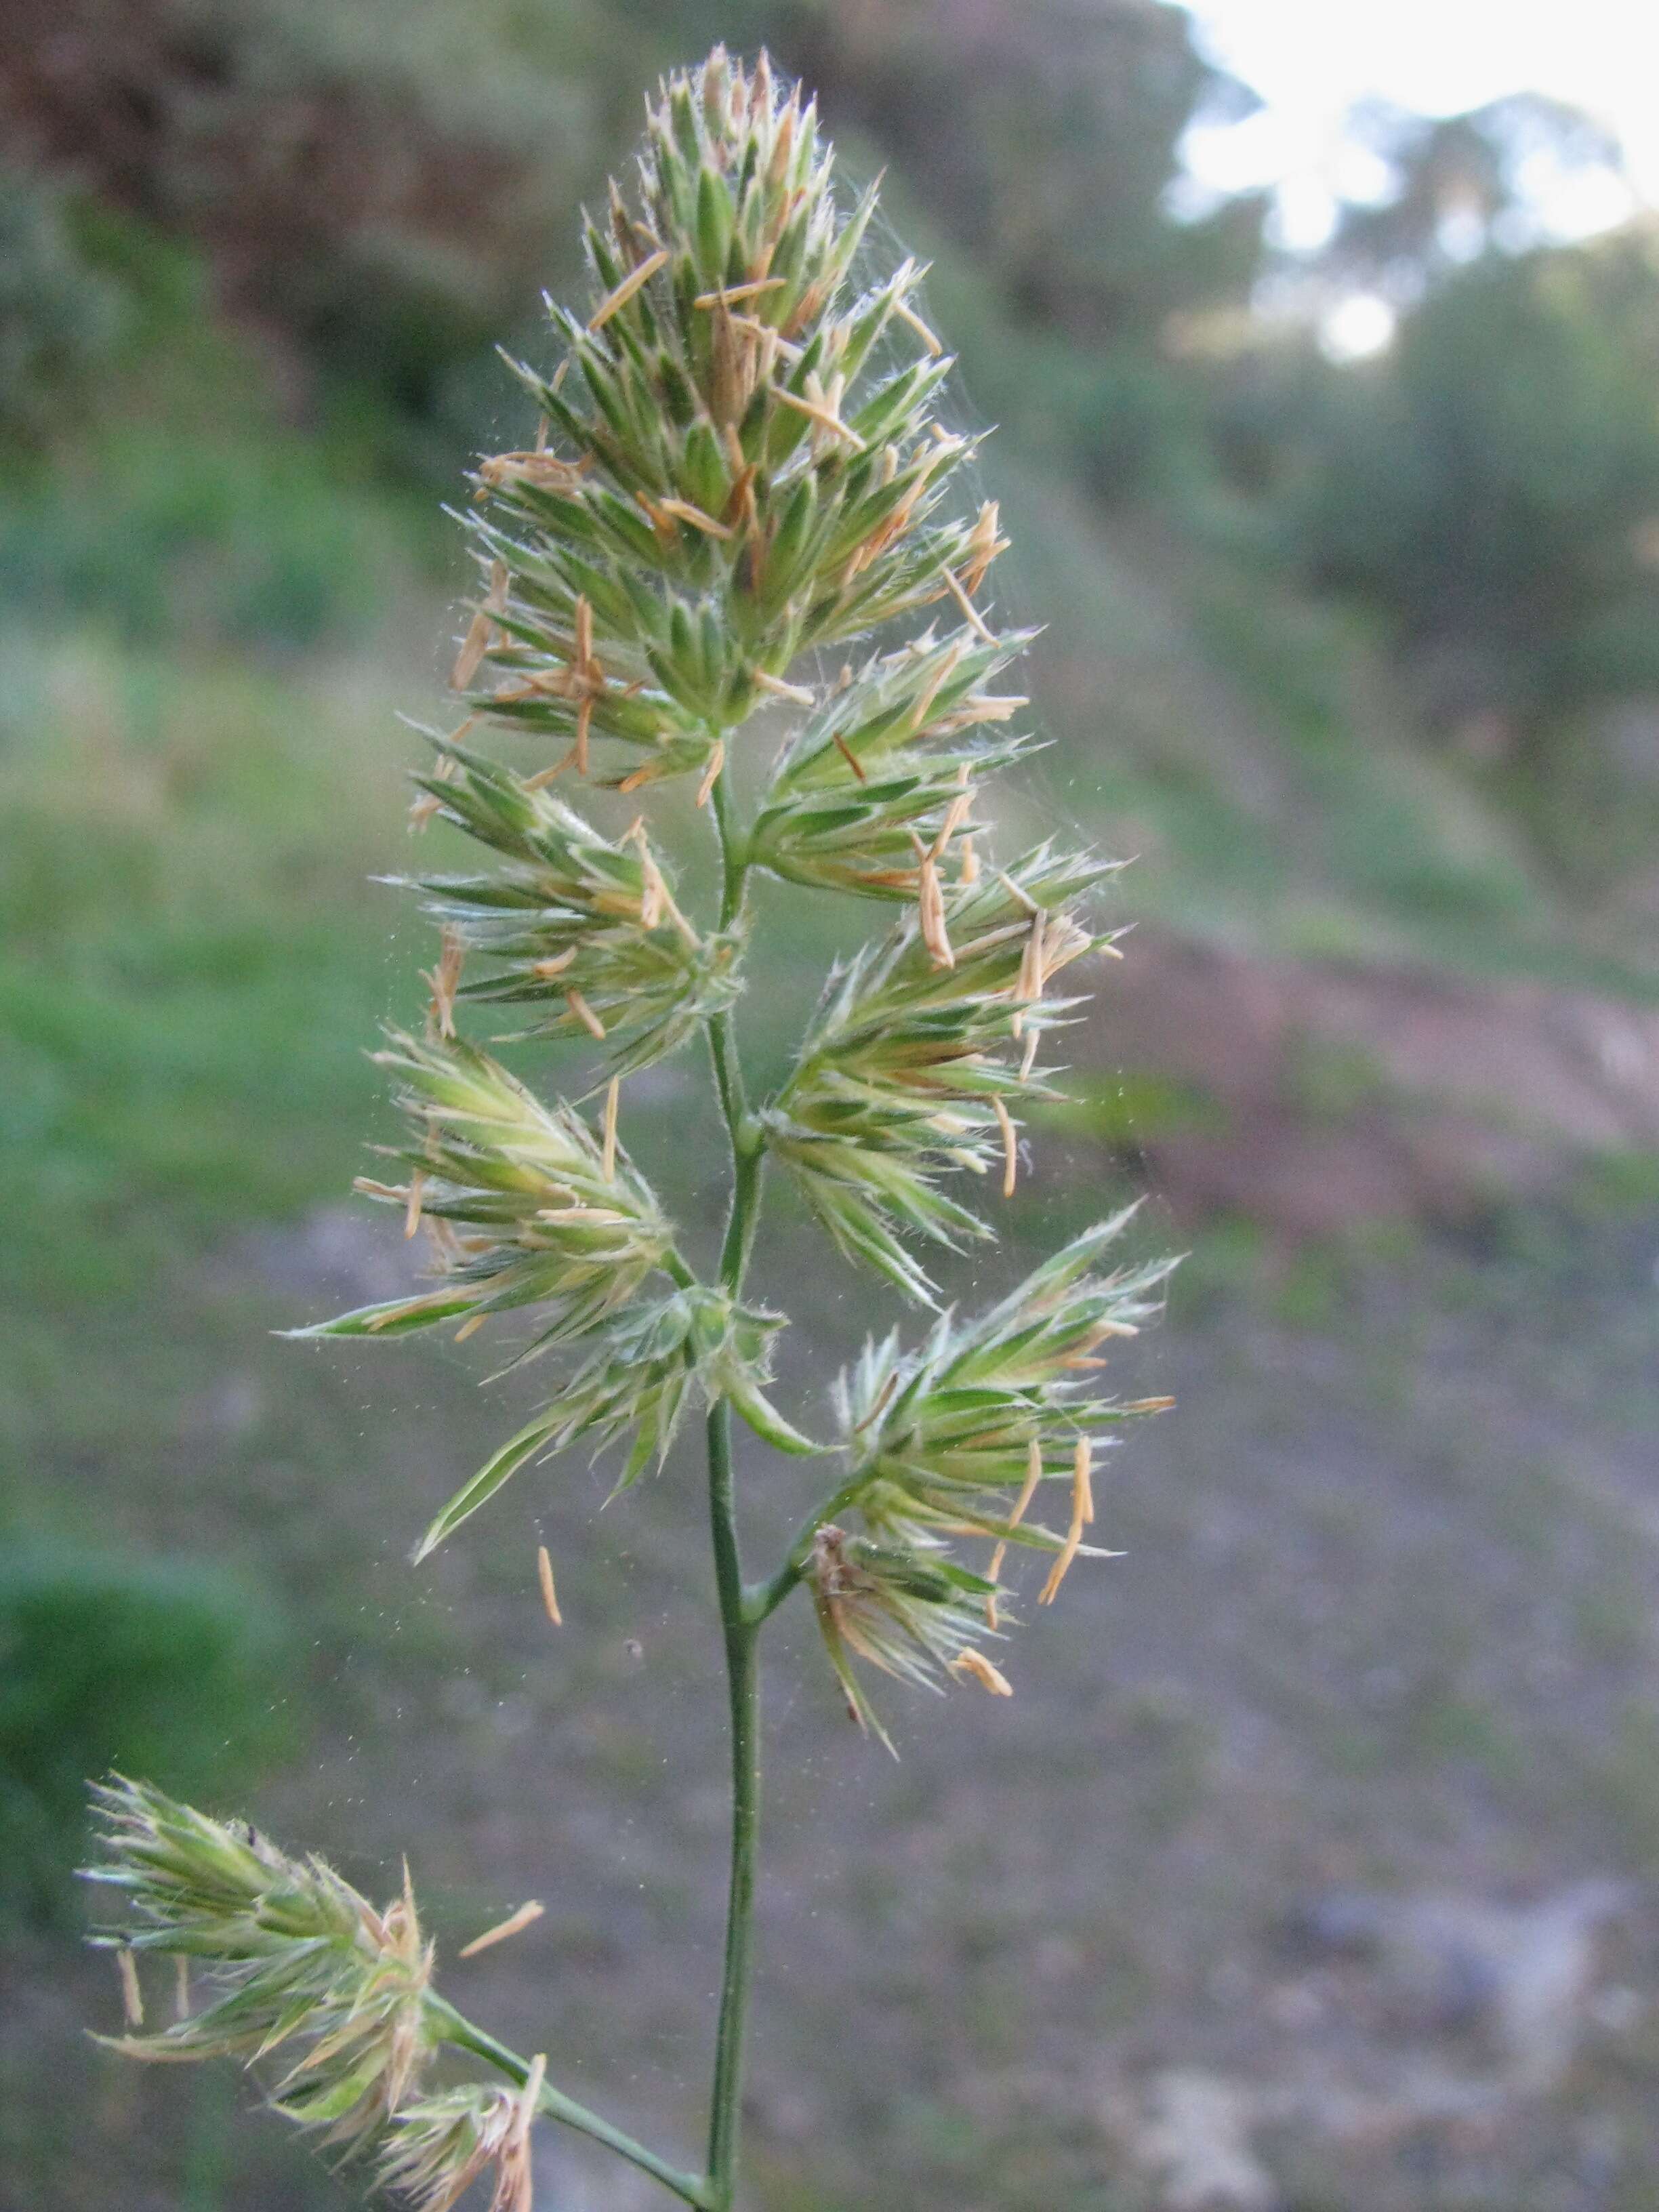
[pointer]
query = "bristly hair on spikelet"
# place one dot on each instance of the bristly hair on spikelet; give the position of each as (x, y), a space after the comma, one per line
(739, 499)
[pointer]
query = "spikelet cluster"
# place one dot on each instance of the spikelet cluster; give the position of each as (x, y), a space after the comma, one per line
(903, 1606)
(916, 1051)
(580, 931)
(527, 1204)
(961, 1438)
(733, 479)
(292, 1962)
(860, 800)
(437, 2146)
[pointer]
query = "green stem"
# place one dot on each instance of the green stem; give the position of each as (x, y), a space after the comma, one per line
(765, 1598)
(460, 2032)
(743, 1683)
(742, 1667)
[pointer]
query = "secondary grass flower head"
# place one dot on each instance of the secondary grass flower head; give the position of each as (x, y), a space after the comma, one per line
(294, 1963)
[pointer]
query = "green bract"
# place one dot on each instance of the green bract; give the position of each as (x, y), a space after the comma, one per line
(739, 497)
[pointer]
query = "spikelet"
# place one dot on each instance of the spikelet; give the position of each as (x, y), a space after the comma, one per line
(957, 1439)
(551, 1229)
(581, 932)
(296, 1964)
(903, 1606)
(879, 765)
(722, 425)
(904, 1071)
(634, 1382)
(439, 2146)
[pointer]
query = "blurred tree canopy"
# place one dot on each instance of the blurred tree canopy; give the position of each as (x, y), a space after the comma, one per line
(380, 187)
(1043, 142)
(1491, 483)
(1455, 188)
(370, 192)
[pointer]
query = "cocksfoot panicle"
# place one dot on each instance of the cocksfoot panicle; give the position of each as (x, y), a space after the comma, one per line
(733, 570)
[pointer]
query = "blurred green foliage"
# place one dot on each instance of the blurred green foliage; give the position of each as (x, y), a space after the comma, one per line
(165, 1668)
(155, 489)
(1492, 484)
(191, 946)
(60, 318)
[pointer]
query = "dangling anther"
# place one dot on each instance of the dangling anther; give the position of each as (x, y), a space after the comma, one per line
(930, 907)
(608, 1159)
(625, 291)
(1028, 1491)
(977, 621)
(1083, 1511)
(550, 1595)
(1010, 1145)
(480, 630)
(514, 1925)
(988, 1676)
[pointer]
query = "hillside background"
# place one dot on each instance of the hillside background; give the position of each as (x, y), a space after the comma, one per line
(1311, 1865)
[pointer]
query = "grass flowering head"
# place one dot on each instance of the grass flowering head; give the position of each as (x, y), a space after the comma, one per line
(739, 476)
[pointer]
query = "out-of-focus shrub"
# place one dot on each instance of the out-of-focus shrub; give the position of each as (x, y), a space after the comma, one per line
(160, 1668)
(61, 318)
(1491, 485)
(223, 540)
(154, 485)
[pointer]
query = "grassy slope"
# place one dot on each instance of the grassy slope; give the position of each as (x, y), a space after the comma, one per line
(1248, 747)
